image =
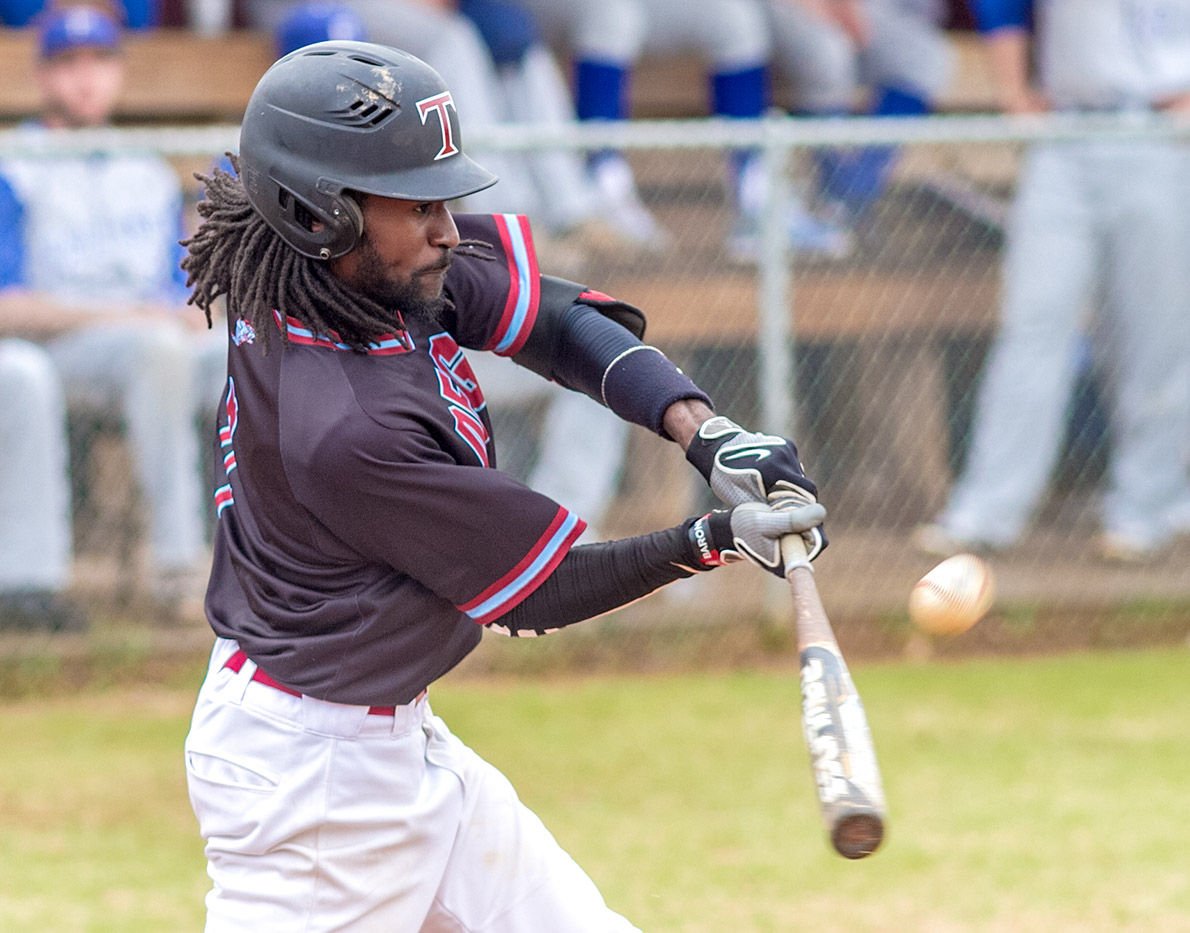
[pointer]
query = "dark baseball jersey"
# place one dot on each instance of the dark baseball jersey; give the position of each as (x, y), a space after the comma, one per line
(363, 531)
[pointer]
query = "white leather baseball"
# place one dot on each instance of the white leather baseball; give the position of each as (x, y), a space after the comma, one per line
(953, 596)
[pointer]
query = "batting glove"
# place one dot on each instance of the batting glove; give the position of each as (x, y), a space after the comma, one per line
(743, 466)
(753, 531)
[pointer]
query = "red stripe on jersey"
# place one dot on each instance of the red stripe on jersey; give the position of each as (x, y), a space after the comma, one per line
(388, 344)
(561, 549)
(517, 284)
(593, 295)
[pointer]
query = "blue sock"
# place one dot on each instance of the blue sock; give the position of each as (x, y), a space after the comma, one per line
(742, 93)
(857, 179)
(899, 102)
(600, 90)
(600, 93)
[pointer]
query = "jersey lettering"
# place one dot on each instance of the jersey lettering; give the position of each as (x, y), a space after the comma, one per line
(224, 496)
(471, 430)
(459, 388)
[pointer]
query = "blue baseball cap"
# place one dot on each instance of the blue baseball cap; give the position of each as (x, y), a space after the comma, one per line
(78, 27)
(308, 23)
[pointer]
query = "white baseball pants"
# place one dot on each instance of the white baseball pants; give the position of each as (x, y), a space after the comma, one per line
(321, 816)
(1105, 219)
(35, 542)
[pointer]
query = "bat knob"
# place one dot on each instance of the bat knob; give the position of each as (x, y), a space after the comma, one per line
(858, 836)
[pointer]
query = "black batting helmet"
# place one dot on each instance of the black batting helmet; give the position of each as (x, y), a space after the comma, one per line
(341, 116)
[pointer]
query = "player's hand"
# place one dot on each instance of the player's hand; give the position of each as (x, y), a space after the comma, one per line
(743, 466)
(753, 531)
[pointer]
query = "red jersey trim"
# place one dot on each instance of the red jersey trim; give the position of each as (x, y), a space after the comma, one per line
(530, 571)
(384, 345)
(524, 285)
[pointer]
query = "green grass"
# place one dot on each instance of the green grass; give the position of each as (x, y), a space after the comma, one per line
(1039, 794)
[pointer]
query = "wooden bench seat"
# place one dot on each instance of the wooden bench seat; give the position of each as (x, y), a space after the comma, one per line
(174, 76)
(177, 76)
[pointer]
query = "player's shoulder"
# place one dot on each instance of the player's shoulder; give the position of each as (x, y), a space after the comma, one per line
(493, 282)
(493, 237)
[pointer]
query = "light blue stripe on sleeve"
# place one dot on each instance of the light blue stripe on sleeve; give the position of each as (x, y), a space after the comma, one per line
(529, 574)
(520, 259)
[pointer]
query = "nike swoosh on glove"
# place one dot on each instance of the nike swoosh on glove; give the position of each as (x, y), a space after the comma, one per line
(744, 466)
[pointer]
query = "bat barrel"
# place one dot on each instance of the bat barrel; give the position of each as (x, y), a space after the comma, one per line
(858, 835)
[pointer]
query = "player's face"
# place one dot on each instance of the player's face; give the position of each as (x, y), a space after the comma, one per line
(402, 257)
(80, 88)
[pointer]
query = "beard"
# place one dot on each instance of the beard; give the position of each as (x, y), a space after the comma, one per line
(408, 298)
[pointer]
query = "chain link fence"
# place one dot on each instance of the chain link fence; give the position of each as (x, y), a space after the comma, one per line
(871, 356)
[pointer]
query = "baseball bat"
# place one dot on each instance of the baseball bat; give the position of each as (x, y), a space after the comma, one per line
(842, 757)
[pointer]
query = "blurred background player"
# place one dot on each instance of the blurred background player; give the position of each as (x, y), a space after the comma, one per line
(606, 40)
(133, 14)
(1101, 225)
(35, 539)
(90, 268)
(890, 58)
(307, 23)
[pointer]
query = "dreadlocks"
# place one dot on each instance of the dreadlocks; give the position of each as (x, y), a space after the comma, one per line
(235, 253)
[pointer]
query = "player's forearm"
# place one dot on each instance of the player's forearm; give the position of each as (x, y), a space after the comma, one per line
(596, 578)
(1008, 61)
(37, 317)
(26, 314)
(638, 382)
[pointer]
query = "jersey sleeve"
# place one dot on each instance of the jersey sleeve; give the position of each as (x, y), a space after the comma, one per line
(474, 536)
(494, 282)
(12, 242)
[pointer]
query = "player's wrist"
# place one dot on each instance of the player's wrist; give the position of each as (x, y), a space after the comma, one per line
(683, 419)
(703, 447)
(710, 541)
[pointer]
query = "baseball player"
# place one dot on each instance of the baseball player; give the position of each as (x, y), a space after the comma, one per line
(1095, 224)
(608, 39)
(88, 256)
(365, 539)
(831, 49)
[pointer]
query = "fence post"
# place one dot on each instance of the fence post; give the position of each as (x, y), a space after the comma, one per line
(774, 332)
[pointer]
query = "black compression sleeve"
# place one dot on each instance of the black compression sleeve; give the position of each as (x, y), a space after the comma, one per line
(596, 578)
(603, 360)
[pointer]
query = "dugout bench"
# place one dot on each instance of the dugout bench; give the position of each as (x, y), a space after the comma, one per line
(176, 76)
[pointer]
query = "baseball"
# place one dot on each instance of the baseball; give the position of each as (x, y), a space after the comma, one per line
(953, 596)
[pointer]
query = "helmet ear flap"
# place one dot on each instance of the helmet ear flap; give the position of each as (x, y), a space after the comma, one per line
(345, 225)
(325, 231)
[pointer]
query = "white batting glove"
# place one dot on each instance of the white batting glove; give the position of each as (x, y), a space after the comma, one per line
(753, 531)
